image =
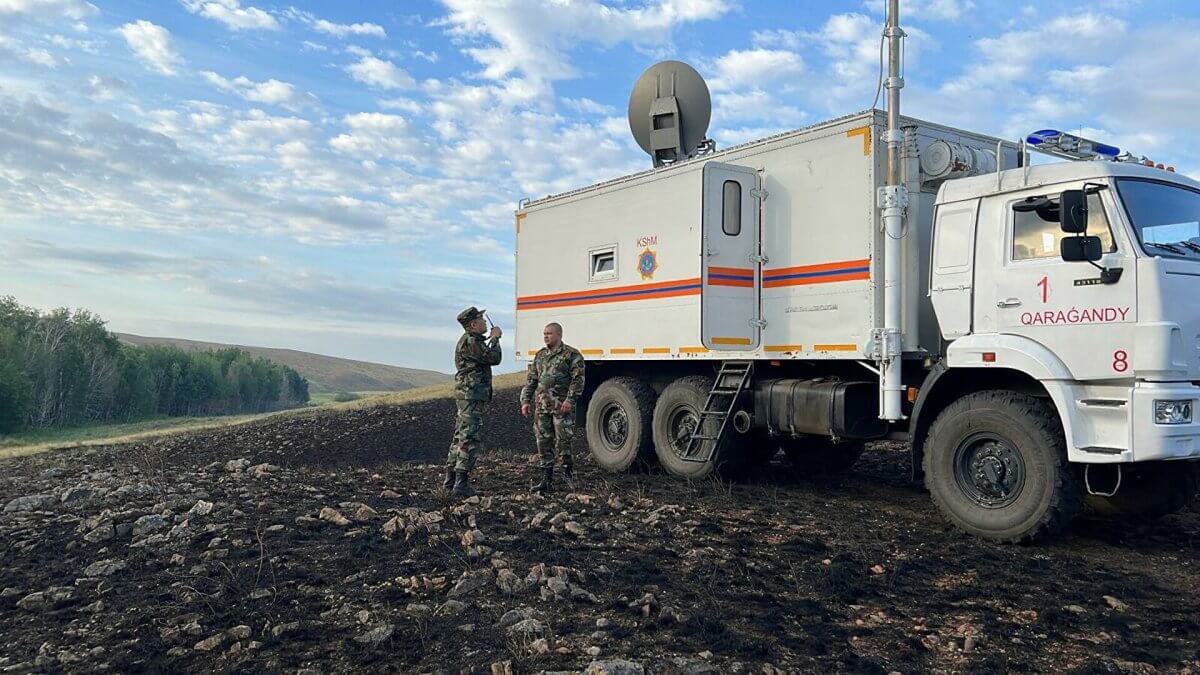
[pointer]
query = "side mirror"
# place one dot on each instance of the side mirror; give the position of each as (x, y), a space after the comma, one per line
(1081, 248)
(1073, 211)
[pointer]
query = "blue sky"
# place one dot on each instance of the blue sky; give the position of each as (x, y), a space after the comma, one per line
(340, 177)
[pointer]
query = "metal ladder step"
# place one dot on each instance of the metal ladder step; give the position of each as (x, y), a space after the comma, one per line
(729, 384)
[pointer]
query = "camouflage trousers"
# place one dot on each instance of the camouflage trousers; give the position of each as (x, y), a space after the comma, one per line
(468, 436)
(554, 433)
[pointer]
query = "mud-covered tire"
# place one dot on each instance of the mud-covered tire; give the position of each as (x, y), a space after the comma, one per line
(614, 449)
(687, 394)
(1150, 491)
(978, 448)
(821, 456)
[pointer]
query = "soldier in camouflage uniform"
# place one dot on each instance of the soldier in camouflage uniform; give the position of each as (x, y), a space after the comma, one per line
(553, 386)
(473, 359)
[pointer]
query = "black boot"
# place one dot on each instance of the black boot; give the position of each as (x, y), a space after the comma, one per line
(462, 486)
(448, 484)
(544, 486)
(569, 478)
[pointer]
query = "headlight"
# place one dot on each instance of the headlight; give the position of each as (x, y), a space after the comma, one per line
(1173, 412)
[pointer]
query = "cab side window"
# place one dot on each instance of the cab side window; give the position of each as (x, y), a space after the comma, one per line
(1036, 234)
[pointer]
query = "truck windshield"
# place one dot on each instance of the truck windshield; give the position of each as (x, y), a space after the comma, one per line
(1166, 217)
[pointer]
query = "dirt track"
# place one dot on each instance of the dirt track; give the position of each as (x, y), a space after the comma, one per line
(132, 573)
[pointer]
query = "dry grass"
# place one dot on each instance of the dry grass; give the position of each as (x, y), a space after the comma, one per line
(35, 442)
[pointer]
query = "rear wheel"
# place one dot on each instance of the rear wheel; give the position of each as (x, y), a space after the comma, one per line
(1150, 491)
(820, 455)
(996, 466)
(676, 418)
(618, 424)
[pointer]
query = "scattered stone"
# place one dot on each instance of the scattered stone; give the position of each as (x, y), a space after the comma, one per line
(263, 470)
(389, 494)
(376, 636)
(575, 528)
(540, 646)
(470, 582)
(202, 508)
(450, 608)
(1115, 603)
(77, 494)
(148, 524)
(592, 651)
(539, 518)
(560, 518)
(969, 644)
(365, 513)
(102, 532)
(528, 628)
(508, 582)
(260, 593)
(30, 503)
(1075, 609)
(502, 668)
(48, 599)
(285, 628)
(515, 616)
(237, 465)
(210, 644)
(603, 622)
(104, 568)
(615, 667)
(877, 570)
(331, 515)
(418, 609)
(391, 527)
(240, 632)
(472, 538)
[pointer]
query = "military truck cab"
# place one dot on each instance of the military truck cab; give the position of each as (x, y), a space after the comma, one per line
(1078, 324)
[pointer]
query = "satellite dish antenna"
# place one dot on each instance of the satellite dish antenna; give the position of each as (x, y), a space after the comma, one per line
(669, 112)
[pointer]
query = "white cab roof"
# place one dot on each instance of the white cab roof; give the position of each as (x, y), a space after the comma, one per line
(1012, 180)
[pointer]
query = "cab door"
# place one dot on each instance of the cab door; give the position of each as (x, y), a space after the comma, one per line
(1065, 306)
(731, 264)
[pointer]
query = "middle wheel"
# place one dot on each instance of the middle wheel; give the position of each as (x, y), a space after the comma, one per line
(677, 417)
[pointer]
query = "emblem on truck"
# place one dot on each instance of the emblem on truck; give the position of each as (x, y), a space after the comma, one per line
(647, 264)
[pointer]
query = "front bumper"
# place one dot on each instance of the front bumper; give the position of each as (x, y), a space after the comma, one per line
(1150, 441)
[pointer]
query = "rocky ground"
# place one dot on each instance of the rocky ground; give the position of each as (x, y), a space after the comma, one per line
(319, 543)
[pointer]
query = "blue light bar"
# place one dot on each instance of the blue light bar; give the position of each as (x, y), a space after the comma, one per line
(1069, 146)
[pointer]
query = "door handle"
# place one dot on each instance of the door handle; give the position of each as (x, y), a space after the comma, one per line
(1010, 302)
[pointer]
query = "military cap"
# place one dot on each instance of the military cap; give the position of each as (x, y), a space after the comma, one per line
(469, 314)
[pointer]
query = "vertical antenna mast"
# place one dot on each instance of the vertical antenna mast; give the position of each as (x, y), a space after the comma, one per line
(893, 200)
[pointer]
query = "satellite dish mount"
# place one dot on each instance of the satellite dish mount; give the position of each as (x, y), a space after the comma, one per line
(669, 112)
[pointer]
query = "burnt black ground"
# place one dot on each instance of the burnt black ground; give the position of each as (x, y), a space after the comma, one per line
(857, 575)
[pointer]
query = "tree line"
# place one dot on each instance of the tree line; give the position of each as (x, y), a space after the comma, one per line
(65, 368)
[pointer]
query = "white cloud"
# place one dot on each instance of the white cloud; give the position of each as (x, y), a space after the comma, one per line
(272, 92)
(151, 44)
(380, 74)
(48, 9)
(376, 135)
(232, 14)
(105, 87)
(342, 30)
(431, 57)
(754, 68)
(586, 106)
(945, 10)
(533, 36)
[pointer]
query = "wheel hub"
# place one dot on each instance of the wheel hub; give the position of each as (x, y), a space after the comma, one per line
(989, 470)
(684, 422)
(614, 426)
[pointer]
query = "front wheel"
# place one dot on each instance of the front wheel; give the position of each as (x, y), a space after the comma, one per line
(996, 466)
(618, 424)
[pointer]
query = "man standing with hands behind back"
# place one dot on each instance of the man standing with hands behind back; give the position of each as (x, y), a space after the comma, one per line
(553, 386)
(473, 361)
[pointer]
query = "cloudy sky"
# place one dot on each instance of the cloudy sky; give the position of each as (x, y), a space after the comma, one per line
(340, 177)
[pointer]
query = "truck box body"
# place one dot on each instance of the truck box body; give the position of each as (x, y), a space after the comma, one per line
(694, 261)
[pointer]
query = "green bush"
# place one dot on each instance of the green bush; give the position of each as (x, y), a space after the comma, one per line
(345, 397)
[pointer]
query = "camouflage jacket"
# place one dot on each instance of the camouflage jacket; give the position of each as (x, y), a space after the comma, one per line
(554, 376)
(473, 359)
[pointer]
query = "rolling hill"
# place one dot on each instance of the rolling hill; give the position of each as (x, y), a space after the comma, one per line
(324, 373)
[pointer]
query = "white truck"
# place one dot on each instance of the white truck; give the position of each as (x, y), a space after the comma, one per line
(734, 303)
